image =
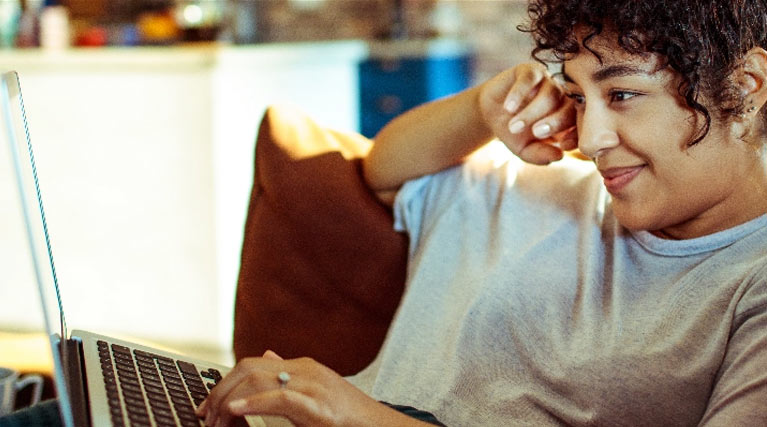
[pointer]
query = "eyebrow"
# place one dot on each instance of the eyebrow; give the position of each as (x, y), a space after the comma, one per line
(609, 72)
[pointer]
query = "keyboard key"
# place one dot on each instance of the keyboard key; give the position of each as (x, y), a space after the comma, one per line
(187, 367)
(200, 396)
(122, 355)
(127, 377)
(135, 399)
(178, 398)
(146, 363)
(163, 411)
(126, 386)
(179, 388)
(173, 380)
(112, 390)
(164, 420)
(152, 381)
(150, 389)
(117, 348)
(187, 415)
(200, 389)
(170, 371)
(116, 410)
(163, 358)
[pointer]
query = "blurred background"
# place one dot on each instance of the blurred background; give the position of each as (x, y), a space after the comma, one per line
(143, 114)
(488, 25)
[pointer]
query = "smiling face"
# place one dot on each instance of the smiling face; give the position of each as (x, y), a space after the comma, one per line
(632, 122)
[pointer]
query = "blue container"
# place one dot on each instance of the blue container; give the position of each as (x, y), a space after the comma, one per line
(398, 76)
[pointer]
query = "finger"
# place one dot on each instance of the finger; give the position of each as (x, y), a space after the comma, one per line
(208, 408)
(269, 354)
(568, 139)
(247, 370)
(202, 409)
(560, 120)
(525, 87)
(214, 414)
(299, 408)
(548, 113)
(508, 90)
(244, 391)
(543, 115)
(540, 153)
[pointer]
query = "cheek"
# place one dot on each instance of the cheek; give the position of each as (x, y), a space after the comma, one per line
(660, 136)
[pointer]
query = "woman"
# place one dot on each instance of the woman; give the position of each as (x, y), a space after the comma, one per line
(629, 290)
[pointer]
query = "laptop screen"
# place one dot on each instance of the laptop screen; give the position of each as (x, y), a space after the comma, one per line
(18, 149)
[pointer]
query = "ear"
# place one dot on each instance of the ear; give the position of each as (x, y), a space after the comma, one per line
(753, 82)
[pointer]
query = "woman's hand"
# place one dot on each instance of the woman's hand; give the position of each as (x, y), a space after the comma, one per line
(302, 390)
(527, 110)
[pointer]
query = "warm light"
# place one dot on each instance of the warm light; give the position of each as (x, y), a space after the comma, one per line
(193, 14)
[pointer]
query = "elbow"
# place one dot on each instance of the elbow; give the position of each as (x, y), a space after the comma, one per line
(375, 179)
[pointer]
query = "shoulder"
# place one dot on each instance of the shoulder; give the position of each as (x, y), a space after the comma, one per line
(493, 177)
(493, 173)
(494, 168)
(754, 297)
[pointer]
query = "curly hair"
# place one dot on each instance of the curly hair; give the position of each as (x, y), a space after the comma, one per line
(702, 40)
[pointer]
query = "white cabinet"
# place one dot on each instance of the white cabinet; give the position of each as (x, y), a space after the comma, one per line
(145, 158)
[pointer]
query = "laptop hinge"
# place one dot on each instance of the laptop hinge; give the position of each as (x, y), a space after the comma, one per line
(78, 393)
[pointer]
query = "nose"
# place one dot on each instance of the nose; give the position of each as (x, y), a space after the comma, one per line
(596, 131)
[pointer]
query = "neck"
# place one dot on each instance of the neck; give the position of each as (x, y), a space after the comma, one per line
(743, 204)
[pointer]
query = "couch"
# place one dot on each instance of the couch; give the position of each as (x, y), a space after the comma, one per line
(322, 270)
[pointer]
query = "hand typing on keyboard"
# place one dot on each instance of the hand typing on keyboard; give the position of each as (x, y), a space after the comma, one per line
(302, 390)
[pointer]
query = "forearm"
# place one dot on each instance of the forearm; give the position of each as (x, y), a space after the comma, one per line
(425, 140)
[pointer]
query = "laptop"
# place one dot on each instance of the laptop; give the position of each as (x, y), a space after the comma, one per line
(99, 380)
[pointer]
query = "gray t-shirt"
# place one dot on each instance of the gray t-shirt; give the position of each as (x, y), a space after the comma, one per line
(528, 304)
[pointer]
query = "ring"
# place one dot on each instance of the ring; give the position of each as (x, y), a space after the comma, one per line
(283, 377)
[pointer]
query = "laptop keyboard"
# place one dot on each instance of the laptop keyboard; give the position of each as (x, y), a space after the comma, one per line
(156, 390)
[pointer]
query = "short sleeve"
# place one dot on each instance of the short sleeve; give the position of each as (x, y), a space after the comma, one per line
(422, 199)
(739, 396)
(409, 200)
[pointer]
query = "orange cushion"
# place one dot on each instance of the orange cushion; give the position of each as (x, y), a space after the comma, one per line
(322, 269)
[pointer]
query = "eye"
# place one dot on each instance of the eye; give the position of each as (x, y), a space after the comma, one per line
(622, 95)
(579, 99)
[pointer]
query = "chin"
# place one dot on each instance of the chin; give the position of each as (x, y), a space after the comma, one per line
(637, 221)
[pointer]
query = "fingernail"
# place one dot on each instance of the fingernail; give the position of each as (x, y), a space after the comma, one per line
(511, 105)
(516, 126)
(541, 130)
(237, 405)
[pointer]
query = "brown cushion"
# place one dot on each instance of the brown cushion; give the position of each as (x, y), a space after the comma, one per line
(322, 270)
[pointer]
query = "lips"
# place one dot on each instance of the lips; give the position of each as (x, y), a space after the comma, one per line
(616, 179)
